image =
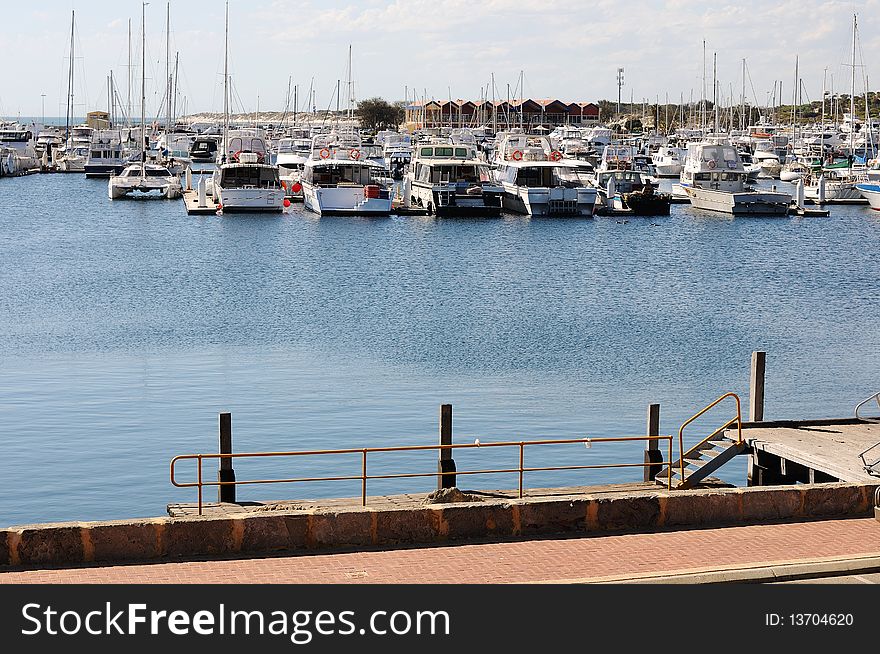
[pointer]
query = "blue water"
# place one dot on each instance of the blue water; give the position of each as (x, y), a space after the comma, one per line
(126, 326)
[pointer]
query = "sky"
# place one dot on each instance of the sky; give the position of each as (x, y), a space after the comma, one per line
(570, 49)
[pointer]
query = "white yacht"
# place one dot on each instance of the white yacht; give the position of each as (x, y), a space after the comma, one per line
(146, 179)
(766, 156)
(835, 185)
(71, 157)
(247, 185)
(668, 161)
(450, 180)
(714, 179)
(19, 156)
(540, 181)
(871, 192)
(245, 181)
(107, 156)
(336, 180)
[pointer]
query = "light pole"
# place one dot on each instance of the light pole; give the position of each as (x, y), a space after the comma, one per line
(619, 87)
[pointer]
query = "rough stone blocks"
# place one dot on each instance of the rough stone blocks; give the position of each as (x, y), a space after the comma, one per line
(61, 543)
(548, 517)
(407, 526)
(341, 529)
(124, 541)
(198, 536)
(702, 508)
(628, 513)
(478, 520)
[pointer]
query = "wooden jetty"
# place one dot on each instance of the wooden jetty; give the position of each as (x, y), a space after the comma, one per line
(191, 201)
(810, 451)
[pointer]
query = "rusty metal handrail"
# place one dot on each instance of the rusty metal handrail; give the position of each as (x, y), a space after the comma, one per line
(736, 419)
(200, 483)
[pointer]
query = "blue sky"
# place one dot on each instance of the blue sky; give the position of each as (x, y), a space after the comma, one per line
(565, 48)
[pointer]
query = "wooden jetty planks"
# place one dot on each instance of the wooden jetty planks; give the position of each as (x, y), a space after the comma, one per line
(831, 447)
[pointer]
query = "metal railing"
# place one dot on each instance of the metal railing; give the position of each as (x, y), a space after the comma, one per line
(363, 477)
(875, 396)
(737, 420)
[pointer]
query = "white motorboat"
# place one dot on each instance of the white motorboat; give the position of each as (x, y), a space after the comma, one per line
(145, 179)
(18, 154)
(107, 156)
(714, 179)
(668, 161)
(448, 179)
(871, 192)
(835, 185)
(246, 185)
(540, 181)
(336, 180)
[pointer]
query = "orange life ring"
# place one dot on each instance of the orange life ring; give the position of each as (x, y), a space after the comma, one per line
(325, 153)
(517, 155)
(556, 155)
(711, 163)
(354, 153)
(235, 156)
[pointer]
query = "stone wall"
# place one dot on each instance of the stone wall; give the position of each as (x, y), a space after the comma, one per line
(323, 529)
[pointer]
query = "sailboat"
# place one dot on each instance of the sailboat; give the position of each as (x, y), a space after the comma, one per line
(834, 183)
(71, 157)
(142, 177)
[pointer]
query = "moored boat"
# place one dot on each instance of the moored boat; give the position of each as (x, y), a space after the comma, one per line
(715, 180)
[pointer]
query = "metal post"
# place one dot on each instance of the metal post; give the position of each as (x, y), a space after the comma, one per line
(445, 463)
(226, 493)
(756, 387)
(653, 454)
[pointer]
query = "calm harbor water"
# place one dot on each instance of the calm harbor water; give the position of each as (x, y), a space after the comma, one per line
(126, 326)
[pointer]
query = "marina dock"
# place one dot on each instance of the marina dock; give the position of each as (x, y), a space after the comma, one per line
(810, 451)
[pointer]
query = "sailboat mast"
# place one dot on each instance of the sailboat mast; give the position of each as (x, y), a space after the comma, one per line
(742, 111)
(226, 88)
(494, 108)
(143, 89)
(70, 79)
(167, 72)
(715, 88)
(703, 98)
(852, 96)
(128, 104)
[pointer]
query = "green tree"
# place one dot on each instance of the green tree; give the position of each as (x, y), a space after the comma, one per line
(376, 113)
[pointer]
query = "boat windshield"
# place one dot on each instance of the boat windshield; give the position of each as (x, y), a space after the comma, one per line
(572, 177)
(339, 174)
(719, 153)
(452, 173)
(249, 176)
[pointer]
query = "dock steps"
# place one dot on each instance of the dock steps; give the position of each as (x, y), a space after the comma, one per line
(707, 456)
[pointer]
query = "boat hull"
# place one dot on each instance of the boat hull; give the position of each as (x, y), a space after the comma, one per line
(250, 199)
(756, 203)
(550, 202)
(444, 201)
(343, 201)
(871, 192)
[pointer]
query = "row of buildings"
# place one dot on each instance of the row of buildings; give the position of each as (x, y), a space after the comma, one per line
(504, 113)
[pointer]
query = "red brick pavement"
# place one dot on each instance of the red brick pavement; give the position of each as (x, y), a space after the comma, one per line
(500, 562)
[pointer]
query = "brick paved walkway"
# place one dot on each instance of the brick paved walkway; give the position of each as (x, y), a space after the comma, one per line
(526, 561)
